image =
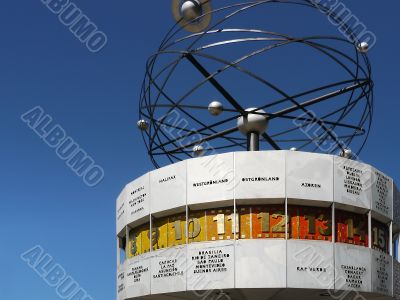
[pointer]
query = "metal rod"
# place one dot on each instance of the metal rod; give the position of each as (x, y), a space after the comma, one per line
(215, 83)
(271, 141)
(207, 138)
(253, 141)
(269, 115)
(318, 99)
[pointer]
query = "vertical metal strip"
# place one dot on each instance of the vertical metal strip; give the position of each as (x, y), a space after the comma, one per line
(251, 222)
(234, 220)
(186, 226)
(333, 216)
(287, 221)
(370, 229)
(391, 238)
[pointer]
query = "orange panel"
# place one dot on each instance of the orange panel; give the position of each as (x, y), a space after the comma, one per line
(351, 228)
(268, 221)
(310, 223)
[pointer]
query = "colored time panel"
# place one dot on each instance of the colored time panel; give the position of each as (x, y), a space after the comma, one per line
(310, 223)
(231, 225)
(245, 222)
(134, 246)
(145, 236)
(380, 236)
(197, 227)
(177, 230)
(268, 221)
(351, 228)
(220, 224)
(160, 233)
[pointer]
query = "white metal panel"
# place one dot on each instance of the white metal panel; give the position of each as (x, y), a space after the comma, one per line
(382, 194)
(396, 279)
(210, 265)
(137, 274)
(382, 273)
(138, 198)
(210, 178)
(121, 288)
(396, 206)
(260, 263)
(168, 187)
(353, 268)
(309, 176)
(168, 270)
(260, 174)
(121, 211)
(352, 182)
(310, 264)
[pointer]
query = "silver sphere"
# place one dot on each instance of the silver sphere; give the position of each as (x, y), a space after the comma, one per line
(215, 108)
(142, 125)
(191, 10)
(363, 47)
(293, 149)
(252, 122)
(198, 150)
(347, 153)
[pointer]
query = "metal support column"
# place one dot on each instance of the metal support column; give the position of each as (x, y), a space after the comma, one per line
(253, 141)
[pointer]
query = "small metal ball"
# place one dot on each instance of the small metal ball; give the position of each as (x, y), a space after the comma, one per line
(252, 122)
(293, 149)
(347, 153)
(191, 10)
(215, 108)
(142, 125)
(363, 47)
(198, 150)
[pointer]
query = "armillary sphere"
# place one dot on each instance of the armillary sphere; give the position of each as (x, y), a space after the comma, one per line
(222, 80)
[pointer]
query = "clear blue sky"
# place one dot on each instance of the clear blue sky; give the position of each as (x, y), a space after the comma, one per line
(95, 99)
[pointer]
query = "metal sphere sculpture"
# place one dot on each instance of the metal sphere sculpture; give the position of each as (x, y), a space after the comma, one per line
(326, 107)
(191, 9)
(215, 108)
(254, 121)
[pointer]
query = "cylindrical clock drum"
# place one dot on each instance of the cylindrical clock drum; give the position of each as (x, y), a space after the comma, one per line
(259, 225)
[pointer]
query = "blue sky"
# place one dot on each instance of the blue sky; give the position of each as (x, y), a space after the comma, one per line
(94, 97)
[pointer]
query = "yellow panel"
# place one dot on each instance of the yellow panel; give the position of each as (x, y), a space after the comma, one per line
(134, 246)
(197, 226)
(145, 236)
(219, 224)
(230, 224)
(160, 233)
(245, 222)
(177, 230)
